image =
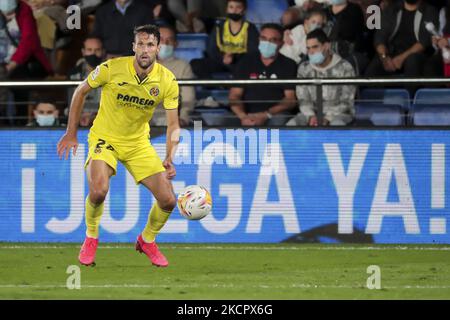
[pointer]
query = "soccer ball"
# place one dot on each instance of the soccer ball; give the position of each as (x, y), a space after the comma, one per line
(194, 202)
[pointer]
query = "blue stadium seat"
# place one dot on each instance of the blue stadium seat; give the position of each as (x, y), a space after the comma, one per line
(432, 96)
(264, 11)
(188, 53)
(379, 114)
(192, 41)
(430, 115)
(385, 96)
(220, 95)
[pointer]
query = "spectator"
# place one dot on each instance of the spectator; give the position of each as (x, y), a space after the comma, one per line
(45, 115)
(196, 15)
(272, 105)
(92, 55)
(187, 15)
(347, 33)
(295, 40)
(438, 64)
(182, 70)
(20, 48)
(291, 18)
(296, 14)
(115, 21)
(228, 42)
(337, 100)
(51, 20)
(20, 52)
(403, 41)
(161, 13)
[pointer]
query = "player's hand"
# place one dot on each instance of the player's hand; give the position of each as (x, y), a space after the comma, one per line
(65, 144)
(170, 169)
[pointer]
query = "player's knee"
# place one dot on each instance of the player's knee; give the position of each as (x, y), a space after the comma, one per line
(168, 203)
(97, 192)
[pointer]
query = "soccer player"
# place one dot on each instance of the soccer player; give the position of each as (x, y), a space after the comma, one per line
(132, 87)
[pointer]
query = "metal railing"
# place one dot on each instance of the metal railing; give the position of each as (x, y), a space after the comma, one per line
(317, 82)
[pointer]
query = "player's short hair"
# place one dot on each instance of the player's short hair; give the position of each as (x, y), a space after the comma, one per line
(243, 2)
(316, 12)
(318, 34)
(149, 29)
(274, 26)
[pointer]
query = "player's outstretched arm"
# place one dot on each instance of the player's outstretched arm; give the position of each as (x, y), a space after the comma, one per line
(69, 139)
(172, 139)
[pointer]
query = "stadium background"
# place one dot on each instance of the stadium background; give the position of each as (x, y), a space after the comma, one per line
(304, 195)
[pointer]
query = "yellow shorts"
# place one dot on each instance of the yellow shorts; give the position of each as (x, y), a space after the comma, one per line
(140, 158)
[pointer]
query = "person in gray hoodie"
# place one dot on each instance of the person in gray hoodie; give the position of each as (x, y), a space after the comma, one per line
(338, 100)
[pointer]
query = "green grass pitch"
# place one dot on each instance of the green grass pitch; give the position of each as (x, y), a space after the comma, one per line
(228, 271)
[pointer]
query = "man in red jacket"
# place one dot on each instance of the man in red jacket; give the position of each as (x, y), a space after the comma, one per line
(19, 40)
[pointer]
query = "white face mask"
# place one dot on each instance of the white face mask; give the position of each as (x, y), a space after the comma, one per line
(45, 120)
(299, 2)
(8, 6)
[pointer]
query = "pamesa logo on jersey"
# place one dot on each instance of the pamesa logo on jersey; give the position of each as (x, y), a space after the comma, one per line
(134, 101)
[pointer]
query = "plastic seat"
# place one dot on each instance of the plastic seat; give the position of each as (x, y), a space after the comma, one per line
(188, 53)
(430, 115)
(264, 11)
(192, 41)
(432, 96)
(386, 96)
(379, 114)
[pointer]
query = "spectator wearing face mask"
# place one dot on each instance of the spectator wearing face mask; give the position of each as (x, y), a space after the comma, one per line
(294, 46)
(261, 105)
(337, 100)
(93, 54)
(228, 42)
(182, 70)
(45, 115)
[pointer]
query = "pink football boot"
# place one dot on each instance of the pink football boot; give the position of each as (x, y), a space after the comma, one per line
(87, 252)
(152, 252)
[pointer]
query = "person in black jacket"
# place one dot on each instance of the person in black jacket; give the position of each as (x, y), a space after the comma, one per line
(115, 22)
(403, 42)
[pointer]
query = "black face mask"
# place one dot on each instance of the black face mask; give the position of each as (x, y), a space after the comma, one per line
(412, 2)
(93, 60)
(235, 16)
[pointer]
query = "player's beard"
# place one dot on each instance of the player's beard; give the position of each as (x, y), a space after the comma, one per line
(146, 64)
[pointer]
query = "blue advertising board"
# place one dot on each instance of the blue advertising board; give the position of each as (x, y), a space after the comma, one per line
(372, 186)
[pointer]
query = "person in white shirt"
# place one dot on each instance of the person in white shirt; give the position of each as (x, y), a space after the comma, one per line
(295, 40)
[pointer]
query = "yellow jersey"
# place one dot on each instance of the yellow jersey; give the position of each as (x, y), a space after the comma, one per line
(232, 43)
(127, 103)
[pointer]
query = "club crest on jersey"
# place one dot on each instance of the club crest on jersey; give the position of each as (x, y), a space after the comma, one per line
(154, 92)
(98, 150)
